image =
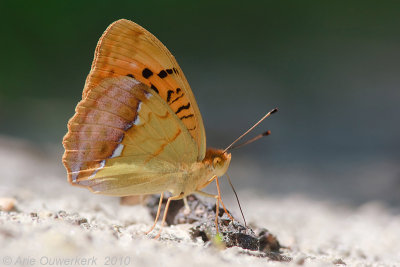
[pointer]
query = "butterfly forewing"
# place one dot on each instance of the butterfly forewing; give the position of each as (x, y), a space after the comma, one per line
(127, 49)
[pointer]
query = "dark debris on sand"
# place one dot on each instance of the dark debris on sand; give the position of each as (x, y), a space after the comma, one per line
(233, 233)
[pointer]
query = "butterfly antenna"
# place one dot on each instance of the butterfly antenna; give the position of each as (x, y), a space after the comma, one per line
(249, 130)
(237, 198)
(252, 140)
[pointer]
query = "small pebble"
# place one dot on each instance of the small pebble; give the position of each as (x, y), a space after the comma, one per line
(339, 262)
(7, 204)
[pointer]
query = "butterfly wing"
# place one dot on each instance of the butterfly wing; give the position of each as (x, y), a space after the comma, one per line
(124, 139)
(127, 49)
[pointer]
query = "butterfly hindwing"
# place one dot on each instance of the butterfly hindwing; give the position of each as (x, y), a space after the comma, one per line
(127, 49)
(124, 139)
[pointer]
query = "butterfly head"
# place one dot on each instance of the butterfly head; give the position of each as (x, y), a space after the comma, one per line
(218, 160)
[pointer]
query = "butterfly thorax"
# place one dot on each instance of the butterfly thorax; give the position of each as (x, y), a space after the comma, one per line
(198, 175)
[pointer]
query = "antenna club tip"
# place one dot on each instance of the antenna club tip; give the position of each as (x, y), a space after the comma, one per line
(266, 133)
(274, 110)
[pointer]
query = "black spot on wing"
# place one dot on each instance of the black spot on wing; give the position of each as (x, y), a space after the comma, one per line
(170, 71)
(178, 90)
(169, 93)
(147, 73)
(175, 70)
(182, 108)
(176, 99)
(130, 75)
(162, 74)
(186, 117)
(154, 88)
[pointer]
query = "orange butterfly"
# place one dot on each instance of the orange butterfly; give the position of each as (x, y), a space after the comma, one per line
(138, 129)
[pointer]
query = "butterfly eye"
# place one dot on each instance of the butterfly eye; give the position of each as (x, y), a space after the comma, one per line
(217, 160)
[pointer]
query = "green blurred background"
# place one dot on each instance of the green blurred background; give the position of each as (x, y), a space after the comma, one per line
(332, 68)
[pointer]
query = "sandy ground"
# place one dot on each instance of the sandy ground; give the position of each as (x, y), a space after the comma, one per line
(56, 224)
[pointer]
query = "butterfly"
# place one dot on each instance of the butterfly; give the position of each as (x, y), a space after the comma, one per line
(138, 129)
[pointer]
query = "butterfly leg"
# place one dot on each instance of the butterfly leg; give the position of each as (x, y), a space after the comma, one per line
(219, 193)
(158, 214)
(209, 181)
(219, 196)
(166, 211)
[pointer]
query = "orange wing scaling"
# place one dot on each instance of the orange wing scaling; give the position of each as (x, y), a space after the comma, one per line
(99, 125)
(123, 134)
(127, 49)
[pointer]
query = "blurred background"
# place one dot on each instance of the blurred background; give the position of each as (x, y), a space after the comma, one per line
(332, 69)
